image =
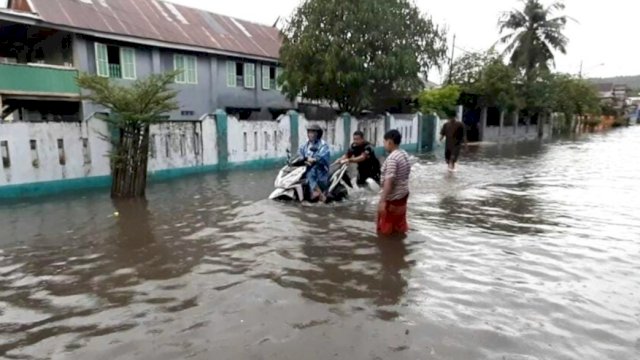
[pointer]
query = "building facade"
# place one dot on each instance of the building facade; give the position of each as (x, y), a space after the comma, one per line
(226, 63)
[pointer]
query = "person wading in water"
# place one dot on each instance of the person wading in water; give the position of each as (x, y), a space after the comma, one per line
(455, 134)
(363, 154)
(392, 209)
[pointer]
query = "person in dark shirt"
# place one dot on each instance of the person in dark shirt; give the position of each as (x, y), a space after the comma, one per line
(362, 153)
(455, 134)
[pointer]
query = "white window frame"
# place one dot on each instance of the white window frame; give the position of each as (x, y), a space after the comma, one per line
(278, 74)
(122, 64)
(97, 46)
(183, 78)
(231, 74)
(249, 73)
(266, 77)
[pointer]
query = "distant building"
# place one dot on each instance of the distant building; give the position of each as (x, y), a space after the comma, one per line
(612, 94)
(226, 62)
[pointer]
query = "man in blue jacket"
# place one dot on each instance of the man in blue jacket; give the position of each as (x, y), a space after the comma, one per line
(317, 154)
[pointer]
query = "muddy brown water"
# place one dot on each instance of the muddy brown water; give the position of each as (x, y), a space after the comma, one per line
(530, 251)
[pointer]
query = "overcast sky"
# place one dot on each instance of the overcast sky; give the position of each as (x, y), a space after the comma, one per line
(604, 32)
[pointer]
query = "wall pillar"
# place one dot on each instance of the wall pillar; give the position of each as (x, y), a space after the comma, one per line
(501, 128)
(542, 119)
(516, 120)
(387, 122)
(346, 125)
(294, 141)
(427, 132)
(222, 136)
(483, 122)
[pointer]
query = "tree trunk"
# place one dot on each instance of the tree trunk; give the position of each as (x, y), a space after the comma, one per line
(130, 163)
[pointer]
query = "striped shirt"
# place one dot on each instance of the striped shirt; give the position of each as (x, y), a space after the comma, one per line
(398, 168)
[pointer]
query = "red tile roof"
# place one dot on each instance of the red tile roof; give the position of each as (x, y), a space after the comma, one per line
(163, 21)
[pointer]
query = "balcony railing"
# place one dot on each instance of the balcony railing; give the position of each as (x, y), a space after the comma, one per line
(115, 71)
(38, 79)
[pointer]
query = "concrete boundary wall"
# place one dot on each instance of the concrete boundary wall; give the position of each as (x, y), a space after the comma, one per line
(50, 157)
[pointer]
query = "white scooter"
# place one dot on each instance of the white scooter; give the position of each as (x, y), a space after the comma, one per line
(291, 183)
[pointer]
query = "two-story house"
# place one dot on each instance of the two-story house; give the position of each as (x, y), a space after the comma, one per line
(226, 63)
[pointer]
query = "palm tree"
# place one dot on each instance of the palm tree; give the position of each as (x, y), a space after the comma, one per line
(534, 34)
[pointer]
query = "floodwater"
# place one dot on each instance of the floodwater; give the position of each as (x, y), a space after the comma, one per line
(530, 251)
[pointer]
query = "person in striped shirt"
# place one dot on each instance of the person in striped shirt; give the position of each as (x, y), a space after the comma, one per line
(392, 209)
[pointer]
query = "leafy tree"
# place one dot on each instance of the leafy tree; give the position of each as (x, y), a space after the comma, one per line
(497, 86)
(534, 33)
(571, 96)
(488, 77)
(133, 109)
(467, 69)
(358, 54)
(440, 101)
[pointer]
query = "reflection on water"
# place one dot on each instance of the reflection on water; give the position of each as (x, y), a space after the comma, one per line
(530, 251)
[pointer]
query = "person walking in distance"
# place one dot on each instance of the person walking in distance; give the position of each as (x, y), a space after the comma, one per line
(455, 134)
(392, 209)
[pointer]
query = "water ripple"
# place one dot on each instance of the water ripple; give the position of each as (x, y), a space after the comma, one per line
(529, 252)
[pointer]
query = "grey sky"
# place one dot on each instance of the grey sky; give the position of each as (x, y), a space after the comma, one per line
(605, 32)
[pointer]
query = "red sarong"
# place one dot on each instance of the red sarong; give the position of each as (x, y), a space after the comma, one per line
(394, 218)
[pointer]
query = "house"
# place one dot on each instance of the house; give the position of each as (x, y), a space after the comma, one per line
(227, 63)
(605, 90)
(612, 94)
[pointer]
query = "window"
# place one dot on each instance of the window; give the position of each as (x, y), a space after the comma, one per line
(167, 146)
(269, 77)
(232, 74)
(266, 140)
(86, 152)
(255, 141)
(183, 145)
(35, 159)
(275, 140)
(249, 75)
(278, 75)
(152, 146)
(189, 67)
(61, 156)
(196, 143)
(187, 113)
(6, 161)
(241, 74)
(115, 62)
(244, 141)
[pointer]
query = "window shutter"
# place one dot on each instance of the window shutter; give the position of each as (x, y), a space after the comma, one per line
(266, 79)
(278, 75)
(178, 64)
(128, 63)
(192, 70)
(102, 60)
(249, 75)
(231, 73)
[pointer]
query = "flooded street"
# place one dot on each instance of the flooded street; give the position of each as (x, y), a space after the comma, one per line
(530, 251)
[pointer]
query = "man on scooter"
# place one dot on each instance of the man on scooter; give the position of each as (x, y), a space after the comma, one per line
(317, 155)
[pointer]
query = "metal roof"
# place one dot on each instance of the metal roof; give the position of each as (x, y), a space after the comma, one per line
(163, 21)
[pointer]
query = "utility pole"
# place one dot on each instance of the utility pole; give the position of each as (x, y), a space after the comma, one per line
(453, 50)
(580, 73)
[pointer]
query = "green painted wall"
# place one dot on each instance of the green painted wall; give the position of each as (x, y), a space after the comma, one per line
(35, 79)
(222, 129)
